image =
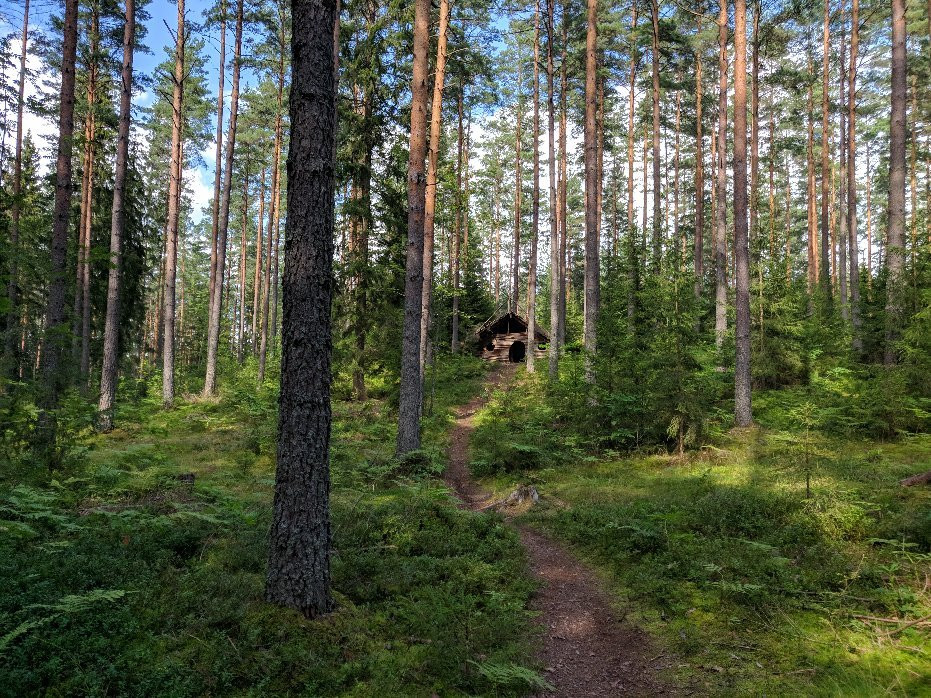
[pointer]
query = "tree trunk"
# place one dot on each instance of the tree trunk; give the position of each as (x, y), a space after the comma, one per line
(824, 269)
(257, 276)
(12, 315)
(436, 123)
(755, 121)
(274, 200)
(411, 388)
(699, 257)
(218, 166)
(216, 304)
(457, 229)
(895, 245)
(675, 178)
(810, 157)
(720, 241)
(50, 357)
(633, 271)
(111, 333)
(535, 228)
(553, 346)
(300, 538)
(176, 168)
(243, 256)
(592, 272)
(518, 190)
(657, 215)
(842, 195)
(563, 176)
(742, 405)
(82, 301)
(853, 241)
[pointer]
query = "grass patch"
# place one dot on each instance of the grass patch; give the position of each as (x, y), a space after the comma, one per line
(141, 571)
(756, 588)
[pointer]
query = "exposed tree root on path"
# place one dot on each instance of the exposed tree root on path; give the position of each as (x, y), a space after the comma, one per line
(587, 648)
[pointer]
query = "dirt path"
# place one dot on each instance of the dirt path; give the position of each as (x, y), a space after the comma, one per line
(588, 650)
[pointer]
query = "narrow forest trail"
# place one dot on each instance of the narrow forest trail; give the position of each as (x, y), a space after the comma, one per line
(587, 648)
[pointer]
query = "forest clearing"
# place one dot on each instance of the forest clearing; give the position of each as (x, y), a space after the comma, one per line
(465, 348)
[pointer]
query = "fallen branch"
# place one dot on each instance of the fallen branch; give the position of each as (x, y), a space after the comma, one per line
(922, 479)
(896, 631)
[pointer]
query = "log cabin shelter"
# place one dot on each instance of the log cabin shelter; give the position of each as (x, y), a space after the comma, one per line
(503, 339)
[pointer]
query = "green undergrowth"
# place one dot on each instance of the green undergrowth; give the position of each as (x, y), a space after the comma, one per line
(140, 571)
(772, 561)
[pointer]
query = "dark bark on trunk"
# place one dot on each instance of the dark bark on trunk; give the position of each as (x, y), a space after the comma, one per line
(825, 267)
(592, 271)
(13, 355)
(841, 236)
(457, 224)
(273, 214)
(257, 276)
(657, 193)
(742, 406)
(111, 333)
(895, 245)
(216, 301)
(518, 191)
(174, 205)
(535, 230)
(755, 121)
(300, 538)
(411, 389)
(563, 176)
(55, 330)
(720, 213)
(633, 273)
(699, 253)
(218, 166)
(553, 356)
(852, 177)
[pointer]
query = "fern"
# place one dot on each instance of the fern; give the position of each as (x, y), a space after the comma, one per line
(511, 675)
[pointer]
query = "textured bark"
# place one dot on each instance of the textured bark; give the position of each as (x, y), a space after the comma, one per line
(257, 276)
(49, 359)
(216, 299)
(699, 251)
(243, 255)
(895, 244)
(436, 123)
(171, 227)
(300, 538)
(411, 388)
(592, 272)
(12, 316)
(275, 197)
(657, 193)
(810, 160)
(824, 273)
(755, 121)
(111, 333)
(553, 348)
(853, 240)
(633, 266)
(742, 406)
(518, 191)
(720, 212)
(82, 289)
(840, 259)
(218, 166)
(457, 229)
(675, 179)
(535, 228)
(563, 176)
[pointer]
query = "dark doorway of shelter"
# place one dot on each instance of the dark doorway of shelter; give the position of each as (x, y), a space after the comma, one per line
(517, 352)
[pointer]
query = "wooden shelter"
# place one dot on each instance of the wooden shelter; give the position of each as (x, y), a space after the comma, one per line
(503, 338)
